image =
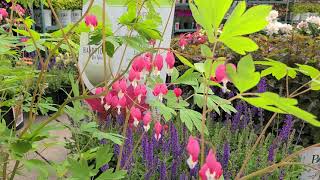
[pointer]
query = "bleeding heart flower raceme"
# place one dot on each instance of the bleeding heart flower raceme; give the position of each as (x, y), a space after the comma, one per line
(91, 21)
(212, 169)
(108, 101)
(3, 14)
(138, 64)
(140, 91)
(148, 61)
(120, 87)
(158, 64)
(193, 149)
(99, 90)
(136, 115)
(221, 75)
(170, 60)
(134, 77)
(177, 92)
(160, 90)
(19, 9)
(146, 121)
(157, 130)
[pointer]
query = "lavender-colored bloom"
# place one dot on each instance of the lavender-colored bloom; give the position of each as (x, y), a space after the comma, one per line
(103, 141)
(183, 176)
(116, 149)
(271, 152)
(104, 167)
(174, 169)
(128, 148)
(145, 147)
(163, 171)
(236, 118)
(147, 175)
(108, 121)
(120, 119)
(262, 86)
(175, 145)
(226, 156)
(286, 128)
(194, 171)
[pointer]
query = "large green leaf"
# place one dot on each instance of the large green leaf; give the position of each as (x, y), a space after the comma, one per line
(245, 77)
(184, 60)
(192, 118)
(103, 156)
(277, 69)
(188, 78)
(209, 14)
(167, 112)
(241, 23)
(313, 73)
(273, 102)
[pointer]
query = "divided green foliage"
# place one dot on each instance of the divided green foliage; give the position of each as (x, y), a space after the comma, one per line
(313, 73)
(192, 118)
(242, 22)
(273, 102)
(209, 14)
(245, 77)
(277, 69)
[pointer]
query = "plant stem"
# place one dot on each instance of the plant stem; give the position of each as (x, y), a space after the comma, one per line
(204, 111)
(124, 134)
(16, 165)
(4, 171)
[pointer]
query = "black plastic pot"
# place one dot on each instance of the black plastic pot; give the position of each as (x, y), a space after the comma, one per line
(8, 116)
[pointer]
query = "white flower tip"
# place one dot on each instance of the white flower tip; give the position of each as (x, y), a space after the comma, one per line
(190, 163)
(157, 136)
(106, 107)
(146, 128)
(135, 122)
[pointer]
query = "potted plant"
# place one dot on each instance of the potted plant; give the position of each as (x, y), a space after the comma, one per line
(64, 11)
(46, 14)
(76, 10)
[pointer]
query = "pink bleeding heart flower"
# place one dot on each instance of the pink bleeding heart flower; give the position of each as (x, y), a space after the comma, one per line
(146, 121)
(160, 90)
(108, 100)
(212, 169)
(100, 90)
(140, 91)
(138, 64)
(95, 105)
(147, 63)
(120, 86)
(177, 92)
(221, 75)
(3, 14)
(18, 9)
(91, 21)
(158, 64)
(170, 60)
(157, 130)
(136, 115)
(193, 149)
(121, 104)
(134, 77)
(183, 42)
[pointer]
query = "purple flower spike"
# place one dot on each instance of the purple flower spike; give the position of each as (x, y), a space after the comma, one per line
(286, 128)
(163, 171)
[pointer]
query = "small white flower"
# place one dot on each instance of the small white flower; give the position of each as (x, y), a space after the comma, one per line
(273, 15)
